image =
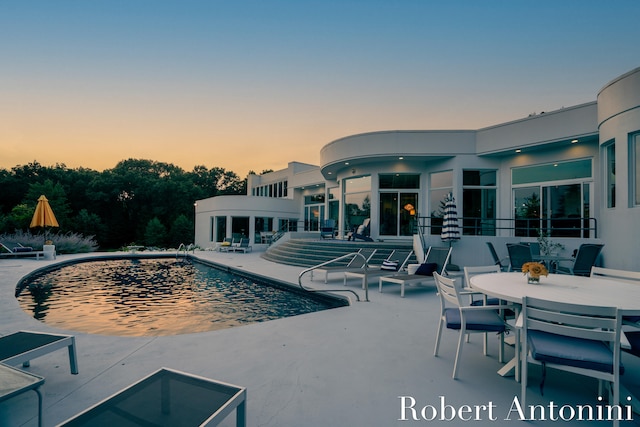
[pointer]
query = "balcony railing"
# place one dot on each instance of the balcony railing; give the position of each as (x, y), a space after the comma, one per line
(522, 227)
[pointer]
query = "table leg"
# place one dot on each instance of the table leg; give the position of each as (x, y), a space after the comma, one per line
(241, 415)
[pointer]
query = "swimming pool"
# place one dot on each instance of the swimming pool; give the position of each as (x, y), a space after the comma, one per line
(142, 296)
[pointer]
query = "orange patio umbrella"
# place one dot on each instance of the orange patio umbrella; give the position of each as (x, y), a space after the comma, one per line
(43, 216)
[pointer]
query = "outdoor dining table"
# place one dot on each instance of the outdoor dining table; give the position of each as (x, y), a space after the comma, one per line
(513, 287)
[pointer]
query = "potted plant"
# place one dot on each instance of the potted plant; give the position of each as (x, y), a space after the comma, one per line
(547, 246)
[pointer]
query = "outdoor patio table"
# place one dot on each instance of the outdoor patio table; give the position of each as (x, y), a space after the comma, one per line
(13, 382)
(167, 398)
(513, 287)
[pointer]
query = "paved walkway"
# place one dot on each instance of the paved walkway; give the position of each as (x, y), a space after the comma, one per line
(341, 367)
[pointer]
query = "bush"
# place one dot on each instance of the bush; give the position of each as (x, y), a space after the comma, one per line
(68, 243)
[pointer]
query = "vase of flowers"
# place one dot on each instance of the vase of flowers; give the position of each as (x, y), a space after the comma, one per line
(533, 271)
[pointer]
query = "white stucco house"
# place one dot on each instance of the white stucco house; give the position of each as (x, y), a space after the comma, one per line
(573, 173)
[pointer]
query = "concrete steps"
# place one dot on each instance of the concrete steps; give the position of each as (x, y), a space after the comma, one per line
(310, 252)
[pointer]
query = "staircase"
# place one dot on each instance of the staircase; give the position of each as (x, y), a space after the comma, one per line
(310, 252)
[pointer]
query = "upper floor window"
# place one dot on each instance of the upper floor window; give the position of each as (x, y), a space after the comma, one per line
(610, 173)
(479, 202)
(634, 168)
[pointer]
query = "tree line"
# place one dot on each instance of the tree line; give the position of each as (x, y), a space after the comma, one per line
(138, 201)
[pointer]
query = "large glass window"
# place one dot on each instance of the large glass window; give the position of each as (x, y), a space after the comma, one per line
(441, 186)
(634, 168)
(334, 204)
(398, 208)
(262, 225)
(610, 171)
(357, 201)
(479, 202)
(313, 211)
(239, 227)
(558, 203)
(221, 228)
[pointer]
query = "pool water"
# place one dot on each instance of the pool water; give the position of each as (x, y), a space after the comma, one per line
(149, 297)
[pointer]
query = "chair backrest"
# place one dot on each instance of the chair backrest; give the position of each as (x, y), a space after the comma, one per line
(329, 224)
(535, 248)
(573, 320)
(469, 272)
(244, 242)
(439, 256)
(494, 255)
(402, 256)
(518, 255)
(358, 261)
(586, 258)
(610, 273)
(448, 290)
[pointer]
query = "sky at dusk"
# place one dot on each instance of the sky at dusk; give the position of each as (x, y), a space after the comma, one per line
(253, 85)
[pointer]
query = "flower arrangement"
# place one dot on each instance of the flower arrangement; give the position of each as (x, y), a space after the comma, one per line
(534, 270)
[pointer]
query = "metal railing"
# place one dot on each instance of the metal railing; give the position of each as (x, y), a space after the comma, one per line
(340, 258)
(581, 227)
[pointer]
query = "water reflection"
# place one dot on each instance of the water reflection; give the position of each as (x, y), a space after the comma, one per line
(155, 297)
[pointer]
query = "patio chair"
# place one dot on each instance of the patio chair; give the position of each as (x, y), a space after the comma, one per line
(620, 275)
(582, 339)
(519, 254)
(496, 259)
(226, 245)
(455, 314)
(19, 251)
(355, 264)
(585, 259)
(396, 261)
(362, 232)
(23, 346)
(243, 246)
(328, 229)
(233, 243)
(436, 259)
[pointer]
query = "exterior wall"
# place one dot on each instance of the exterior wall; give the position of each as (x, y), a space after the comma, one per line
(240, 206)
(567, 123)
(618, 117)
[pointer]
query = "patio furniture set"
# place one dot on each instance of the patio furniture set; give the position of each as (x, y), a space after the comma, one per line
(165, 397)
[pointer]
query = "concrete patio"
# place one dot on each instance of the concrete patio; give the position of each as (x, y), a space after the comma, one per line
(342, 367)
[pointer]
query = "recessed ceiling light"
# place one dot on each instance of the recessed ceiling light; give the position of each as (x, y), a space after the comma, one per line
(518, 151)
(329, 173)
(400, 158)
(346, 163)
(573, 141)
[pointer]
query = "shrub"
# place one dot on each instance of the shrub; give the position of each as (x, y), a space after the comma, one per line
(66, 243)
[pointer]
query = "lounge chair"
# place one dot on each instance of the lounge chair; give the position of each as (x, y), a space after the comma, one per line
(20, 347)
(437, 259)
(396, 261)
(362, 232)
(226, 245)
(243, 246)
(356, 264)
(19, 251)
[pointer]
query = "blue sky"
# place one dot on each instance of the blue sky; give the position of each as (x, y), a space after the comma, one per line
(252, 85)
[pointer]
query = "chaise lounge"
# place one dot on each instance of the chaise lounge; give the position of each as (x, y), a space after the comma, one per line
(20, 347)
(19, 251)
